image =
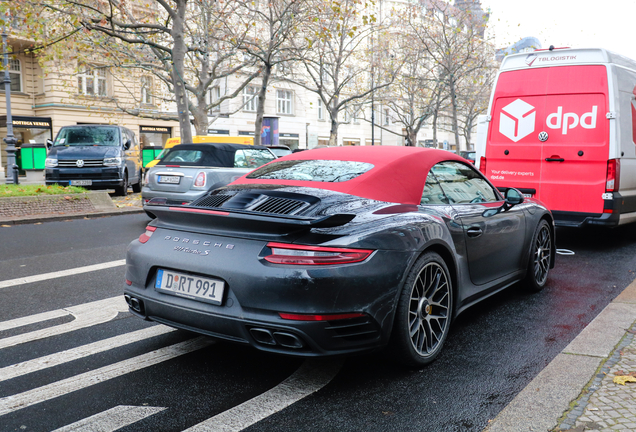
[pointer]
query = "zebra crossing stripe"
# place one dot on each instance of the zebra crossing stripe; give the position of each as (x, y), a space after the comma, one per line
(30, 366)
(61, 273)
(112, 419)
(309, 378)
(86, 315)
(28, 398)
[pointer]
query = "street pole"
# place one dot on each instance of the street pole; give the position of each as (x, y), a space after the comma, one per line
(12, 174)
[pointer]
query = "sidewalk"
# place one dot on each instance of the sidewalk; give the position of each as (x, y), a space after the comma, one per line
(576, 391)
(28, 210)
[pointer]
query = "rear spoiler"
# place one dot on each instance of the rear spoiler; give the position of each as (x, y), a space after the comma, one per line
(237, 221)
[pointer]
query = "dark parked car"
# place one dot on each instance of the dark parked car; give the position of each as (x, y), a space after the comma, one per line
(338, 251)
(187, 171)
(95, 157)
(468, 155)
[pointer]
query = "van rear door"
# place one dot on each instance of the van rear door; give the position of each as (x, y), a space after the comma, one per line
(549, 136)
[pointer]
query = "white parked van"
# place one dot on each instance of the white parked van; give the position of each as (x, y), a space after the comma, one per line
(562, 129)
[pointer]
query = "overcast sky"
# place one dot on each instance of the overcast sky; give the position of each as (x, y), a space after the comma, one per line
(609, 24)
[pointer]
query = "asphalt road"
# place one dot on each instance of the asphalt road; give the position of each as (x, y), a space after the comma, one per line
(492, 353)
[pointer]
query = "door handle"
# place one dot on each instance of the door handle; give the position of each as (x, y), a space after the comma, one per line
(554, 159)
(474, 232)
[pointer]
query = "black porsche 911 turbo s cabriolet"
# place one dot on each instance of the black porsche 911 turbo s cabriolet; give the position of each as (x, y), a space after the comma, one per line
(339, 250)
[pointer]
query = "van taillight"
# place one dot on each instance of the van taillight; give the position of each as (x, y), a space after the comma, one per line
(613, 175)
(482, 165)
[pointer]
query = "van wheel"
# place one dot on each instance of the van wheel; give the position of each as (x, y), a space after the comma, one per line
(540, 257)
(137, 186)
(123, 189)
(423, 314)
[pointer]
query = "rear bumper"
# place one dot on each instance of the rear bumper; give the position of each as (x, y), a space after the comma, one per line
(174, 198)
(618, 210)
(257, 291)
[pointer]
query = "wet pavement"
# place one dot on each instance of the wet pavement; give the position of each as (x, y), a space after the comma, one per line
(577, 391)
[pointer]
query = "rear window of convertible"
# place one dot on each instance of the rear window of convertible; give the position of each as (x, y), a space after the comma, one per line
(332, 171)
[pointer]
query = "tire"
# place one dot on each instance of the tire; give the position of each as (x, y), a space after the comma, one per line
(123, 189)
(150, 215)
(540, 257)
(424, 312)
(137, 186)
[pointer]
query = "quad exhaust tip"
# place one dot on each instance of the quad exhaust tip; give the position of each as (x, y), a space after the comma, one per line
(134, 303)
(267, 337)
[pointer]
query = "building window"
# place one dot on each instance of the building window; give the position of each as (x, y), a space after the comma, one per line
(214, 94)
(250, 98)
(284, 102)
(146, 90)
(321, 110)
(92, 82)
(15, 73)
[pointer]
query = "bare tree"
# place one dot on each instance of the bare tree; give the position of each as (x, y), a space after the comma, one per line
(271, 29)
(188, 46)
(452, 39)
(342, 49)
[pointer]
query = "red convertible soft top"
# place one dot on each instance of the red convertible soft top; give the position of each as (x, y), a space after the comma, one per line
(398, 174)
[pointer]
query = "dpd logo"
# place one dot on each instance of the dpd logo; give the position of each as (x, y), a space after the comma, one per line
(516, 120)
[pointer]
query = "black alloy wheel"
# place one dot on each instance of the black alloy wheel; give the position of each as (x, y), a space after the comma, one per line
(123, 189)
(424, 312)
(540, 257)
(136, 187)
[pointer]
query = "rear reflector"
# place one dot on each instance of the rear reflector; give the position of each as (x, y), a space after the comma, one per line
(146, 236)
(332, 317)
(283, 253)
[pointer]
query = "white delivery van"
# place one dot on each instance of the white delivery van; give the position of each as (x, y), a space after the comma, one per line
(562, 129)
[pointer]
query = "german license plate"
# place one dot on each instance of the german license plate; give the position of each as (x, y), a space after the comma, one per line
(208, 290)
(81, 182)
(168, 179)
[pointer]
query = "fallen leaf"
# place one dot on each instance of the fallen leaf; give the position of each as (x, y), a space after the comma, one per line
(622, 379)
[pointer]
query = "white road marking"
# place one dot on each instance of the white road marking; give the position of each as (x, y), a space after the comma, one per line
(62, 273)
(30, 366)
(112, 419)
(86, 315)
(41, 394)
(309, 378)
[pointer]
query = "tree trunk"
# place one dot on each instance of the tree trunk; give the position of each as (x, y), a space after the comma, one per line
(453, 96)
(260, 110)
(178, 57)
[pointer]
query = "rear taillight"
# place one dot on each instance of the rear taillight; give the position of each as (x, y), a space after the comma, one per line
(146, 236)
(283, 253)
(613, 175)
(200, 180)
(482, 165)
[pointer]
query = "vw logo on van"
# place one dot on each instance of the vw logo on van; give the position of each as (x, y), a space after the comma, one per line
(79, 163)
(543, 136)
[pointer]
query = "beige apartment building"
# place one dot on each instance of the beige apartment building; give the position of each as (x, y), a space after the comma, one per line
(42, 101)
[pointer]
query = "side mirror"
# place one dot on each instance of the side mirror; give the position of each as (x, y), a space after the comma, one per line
(127, 145)
(49, 143)
(513, 197)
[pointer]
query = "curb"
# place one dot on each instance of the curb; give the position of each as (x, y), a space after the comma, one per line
(564, 383)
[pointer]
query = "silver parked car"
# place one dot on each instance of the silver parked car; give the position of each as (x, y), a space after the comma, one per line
(187, 171)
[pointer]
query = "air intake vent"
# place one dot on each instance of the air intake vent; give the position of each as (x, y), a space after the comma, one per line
(279, 206)
(212, 201)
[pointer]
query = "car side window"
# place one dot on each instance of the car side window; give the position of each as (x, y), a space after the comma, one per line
(462, 184)
(433, 193)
